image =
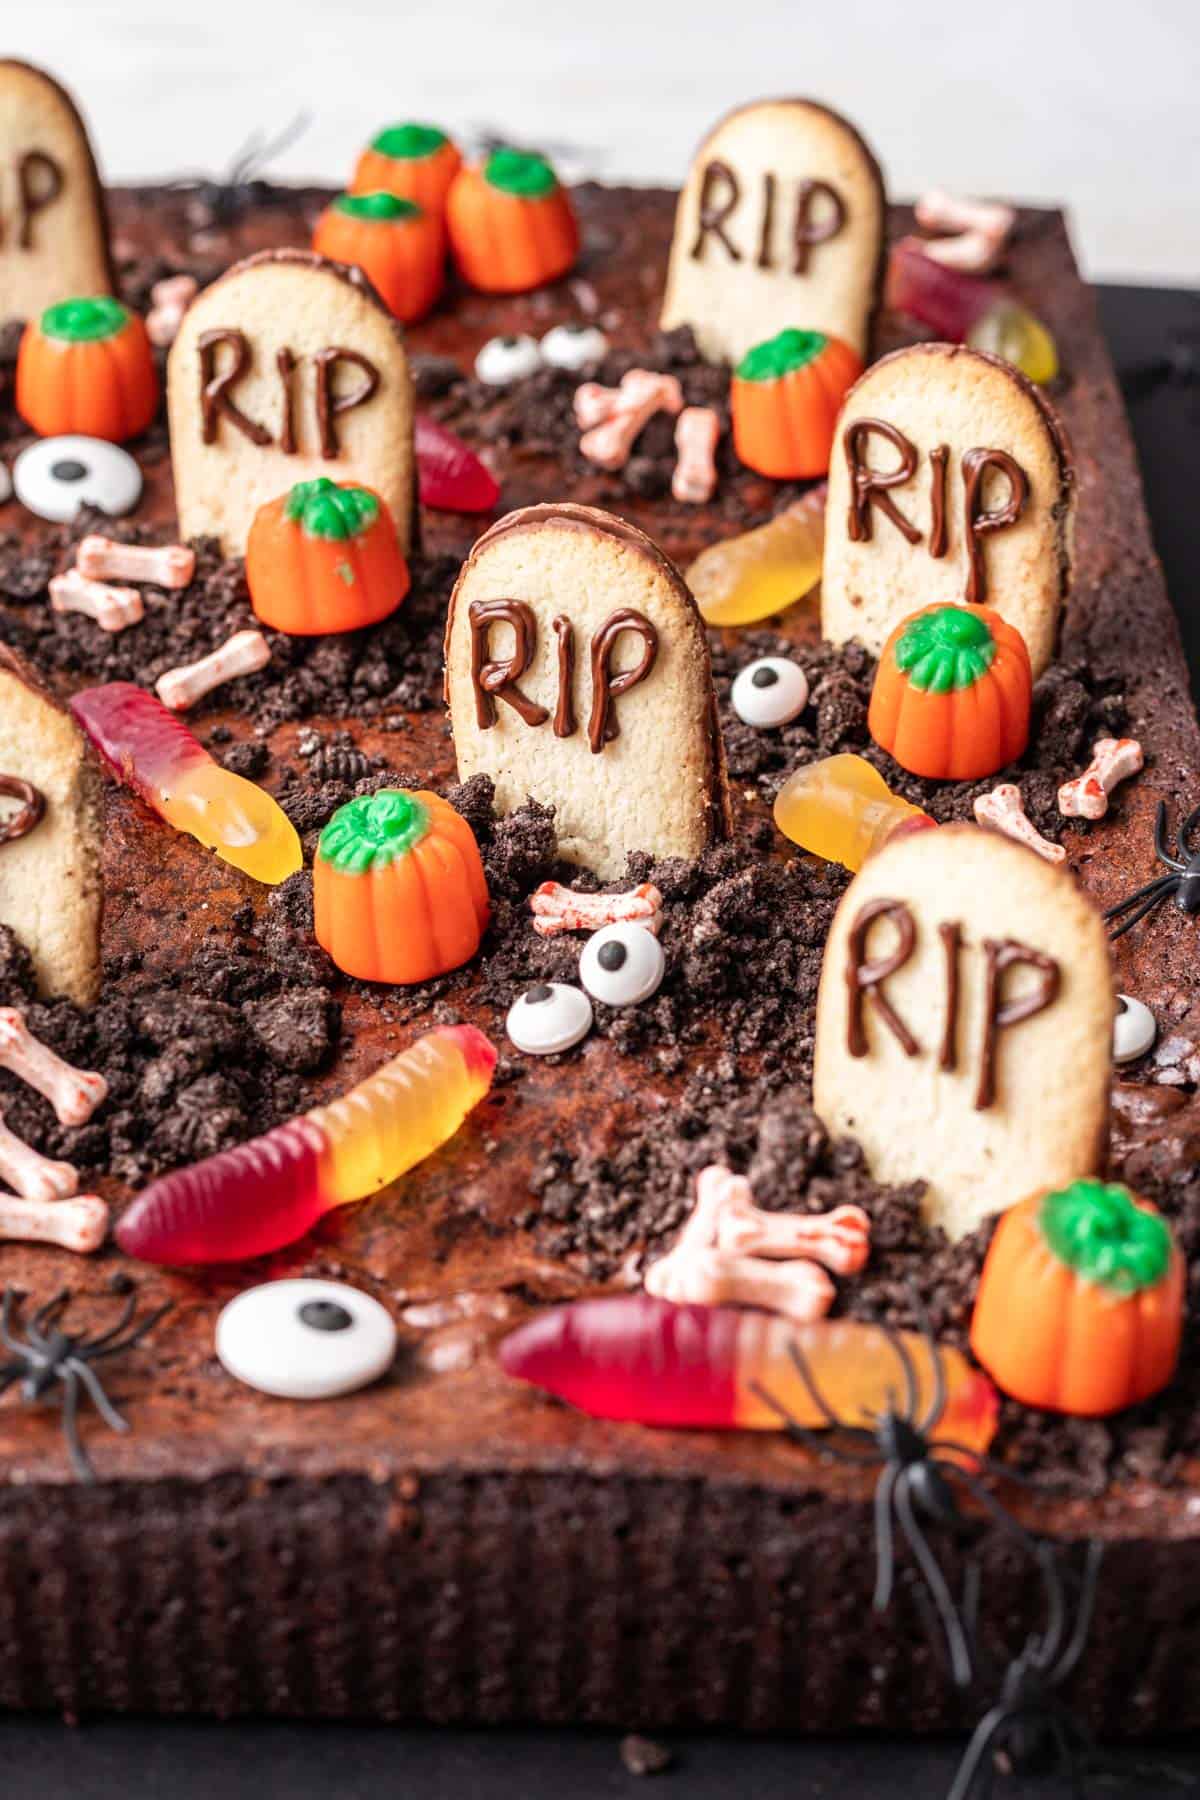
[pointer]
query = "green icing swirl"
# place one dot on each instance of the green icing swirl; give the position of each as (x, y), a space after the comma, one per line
(1098, 1229)
(372, 831)
(520, 172)
(408, 141)
(781, 355)
(85, 321)
(325, 510)
(381, 207)
(946, 649)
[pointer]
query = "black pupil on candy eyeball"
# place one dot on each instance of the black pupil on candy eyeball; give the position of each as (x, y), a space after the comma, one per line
(764, 678)
(538, 994)
(612, 956)
(68, 469)
(510, 343)
(1122, 1005)
(325, 1315)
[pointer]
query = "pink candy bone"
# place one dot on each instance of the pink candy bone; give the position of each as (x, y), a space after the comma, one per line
(73, 1093)
(169, 300)
(696, 432)
(981, 227)
(798, 1290)
(1002, 810)
(1113, 760)
(113, 608)
(80, 1224)
(33, 1176)
(244, 652)
(612, 418)
(557, 909)
(164, 565)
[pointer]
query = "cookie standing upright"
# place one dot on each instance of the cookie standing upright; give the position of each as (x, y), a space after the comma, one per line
(51, 891)
(577, 672)
(780, 223)
(950, 481)
(964, 1022)
(288, 367)
(53, 228)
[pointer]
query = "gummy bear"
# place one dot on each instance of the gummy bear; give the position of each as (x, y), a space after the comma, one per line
(269, 1192)
(452, 478)
(763, 571)
(155, 754)
(967, 309)
(631, 1356)
(841, 809)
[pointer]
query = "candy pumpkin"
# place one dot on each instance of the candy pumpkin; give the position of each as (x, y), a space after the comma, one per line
(416, 162)
(785, 397)
(86, 366)
(393, 241)
(1080, 1305)
(953, 693)
(324, 557)
(398, 888)
(512, 226)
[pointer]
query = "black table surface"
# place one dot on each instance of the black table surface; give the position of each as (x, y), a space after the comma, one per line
(1155, 339)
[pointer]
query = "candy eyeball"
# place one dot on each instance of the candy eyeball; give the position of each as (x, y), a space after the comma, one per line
(622, 965)
(772, 691)
(549, 1017)
(1134, 1029)
(58, 475)
(305, 1339)
(573, 346)
(506, 359)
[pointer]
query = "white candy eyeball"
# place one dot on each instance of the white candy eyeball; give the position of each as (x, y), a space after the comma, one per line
(573, 346)
(305, 1340)
(5, 484)
(1134, 1029)
(772, 691)
(58, 475)
(549, 1017)
(622, 965)
(506, 359)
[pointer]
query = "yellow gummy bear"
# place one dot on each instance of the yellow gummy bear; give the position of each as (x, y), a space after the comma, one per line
(841, 809)
(762, 571)
(1012, 332)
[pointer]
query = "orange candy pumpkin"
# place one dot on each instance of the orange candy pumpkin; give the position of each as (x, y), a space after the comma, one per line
(953, 693)
(324, 557)
(1080, 1305)
(512, 226)
(785, 397)
(398, 888)
(86, 366)
(416, 162)
(398, 245)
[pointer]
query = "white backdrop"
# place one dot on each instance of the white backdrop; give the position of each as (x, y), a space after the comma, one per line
(1094, 102)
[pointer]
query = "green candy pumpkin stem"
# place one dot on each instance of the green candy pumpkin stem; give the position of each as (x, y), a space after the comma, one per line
(520, 172)
(1098, 1229)
(408, 141)
(376, 208)
(324, 510)
(946, 649)
(372, 831)
(85, 320)
(781, 355)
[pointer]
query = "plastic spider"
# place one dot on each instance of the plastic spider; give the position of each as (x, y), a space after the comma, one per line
(223, 201)
(915, 1474)
(47, 1354)
(1182, 884)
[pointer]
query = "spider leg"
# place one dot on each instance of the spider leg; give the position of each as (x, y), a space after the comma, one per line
(982, 1739)
(1138, 894)
(937, 1403)
(806, 1435)
(10, 1373)
(1073, 1765)
(6, 1320)
(98, 1348)
(985, 1465)
(1185, 832)
(1083, 1618)
(1147, 906)
(885, 1539)
(1160, 839)
(912, 1392)
(96, 1393)
(79, 1457)
(918, 1543)
(127, 1311)
(47, 1318)
(987, 1501)
(801, 1365)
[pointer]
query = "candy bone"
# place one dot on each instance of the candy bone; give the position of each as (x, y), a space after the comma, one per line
(163, 565)
(642, 393)
(1003, 810)
(80, 1224)
(32, 1175)
(73, 1093)
(113, 608)
(557, 909)
(243, 653)
(799, 1290)
(169, 300)
(1113, 760)
(981, 227)
(696, 432)
(840, 1240)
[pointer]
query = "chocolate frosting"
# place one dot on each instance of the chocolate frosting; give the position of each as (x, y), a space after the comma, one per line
(32, 810)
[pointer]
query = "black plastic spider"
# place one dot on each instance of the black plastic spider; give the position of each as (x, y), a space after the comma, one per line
(915, 1472)
(223, 201)
(47, 1354)
(1183, 883)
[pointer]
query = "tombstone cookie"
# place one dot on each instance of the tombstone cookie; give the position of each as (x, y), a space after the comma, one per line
(964, 1022)
(53, 231)
(50, 836)
(287, 368)
(780, 224)
(577, 672)
(950, 483)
